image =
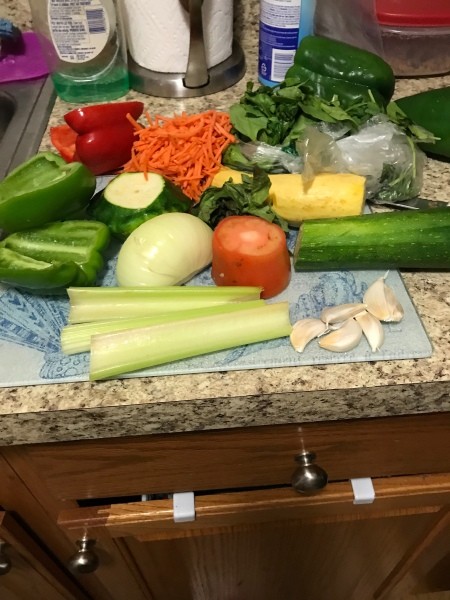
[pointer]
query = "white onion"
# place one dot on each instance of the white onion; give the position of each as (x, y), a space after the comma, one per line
(166, 250)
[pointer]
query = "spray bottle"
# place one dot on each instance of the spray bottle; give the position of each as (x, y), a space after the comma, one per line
(282, 25)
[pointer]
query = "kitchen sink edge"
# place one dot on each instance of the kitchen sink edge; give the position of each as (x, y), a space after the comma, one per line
(30, 104)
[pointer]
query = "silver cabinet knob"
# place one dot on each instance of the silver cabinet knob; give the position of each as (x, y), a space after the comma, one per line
(85, 560)
(5, 561)
(308, 477)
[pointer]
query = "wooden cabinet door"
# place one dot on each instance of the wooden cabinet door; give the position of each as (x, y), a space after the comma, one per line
(32, 573)
(269, 544)
(425, 568)
(253, 536)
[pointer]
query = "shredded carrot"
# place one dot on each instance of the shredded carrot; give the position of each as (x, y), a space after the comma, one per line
(187, 149)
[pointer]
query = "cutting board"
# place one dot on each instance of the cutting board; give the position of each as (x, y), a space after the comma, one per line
(30, 328)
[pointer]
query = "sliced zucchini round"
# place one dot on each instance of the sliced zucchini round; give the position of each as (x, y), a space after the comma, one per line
(130, 199)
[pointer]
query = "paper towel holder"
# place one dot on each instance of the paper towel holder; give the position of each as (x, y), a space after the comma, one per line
(171, 85)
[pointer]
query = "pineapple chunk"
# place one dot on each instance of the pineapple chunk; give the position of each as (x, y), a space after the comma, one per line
(328, 195)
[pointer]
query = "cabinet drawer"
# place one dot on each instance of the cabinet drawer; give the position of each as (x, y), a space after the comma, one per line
(239, 458)
(244, 544)
(154, 519)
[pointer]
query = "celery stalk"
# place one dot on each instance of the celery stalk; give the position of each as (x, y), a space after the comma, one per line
(124, 351)
(77, 338)
(105, 303)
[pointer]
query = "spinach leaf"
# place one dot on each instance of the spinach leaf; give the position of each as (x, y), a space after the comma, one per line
(416, 132)
(400, 182)
(277, 115)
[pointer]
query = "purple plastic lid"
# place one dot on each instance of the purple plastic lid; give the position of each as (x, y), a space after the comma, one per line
(29, 64)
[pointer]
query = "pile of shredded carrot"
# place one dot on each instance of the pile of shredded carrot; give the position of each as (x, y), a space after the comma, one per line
(187, 149)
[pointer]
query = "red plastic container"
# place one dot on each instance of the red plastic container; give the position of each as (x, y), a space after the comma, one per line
(416, 36)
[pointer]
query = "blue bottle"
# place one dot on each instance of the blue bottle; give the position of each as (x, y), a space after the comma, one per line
(282, 24)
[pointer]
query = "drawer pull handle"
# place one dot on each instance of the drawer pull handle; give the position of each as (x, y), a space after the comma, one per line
(183, 507)
(308, 477)
(5, 561)
(85, 560)
(363, 490)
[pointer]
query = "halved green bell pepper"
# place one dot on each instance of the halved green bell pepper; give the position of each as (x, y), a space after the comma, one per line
(54, 257)
(44, 189)
(24, 272)
(334, 68)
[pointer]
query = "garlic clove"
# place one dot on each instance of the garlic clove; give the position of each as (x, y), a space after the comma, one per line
(381, 301)
(341, 312)
(397, 312)
(372, 329)
(343, 339)
(304, 331)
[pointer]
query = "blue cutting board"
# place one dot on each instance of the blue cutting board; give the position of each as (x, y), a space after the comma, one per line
(30, 328)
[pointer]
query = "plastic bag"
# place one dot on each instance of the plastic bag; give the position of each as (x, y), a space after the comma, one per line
(273, 159)
(350, 21)
(389, 160)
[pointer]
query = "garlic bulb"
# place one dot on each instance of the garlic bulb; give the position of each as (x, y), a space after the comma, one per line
(372, 329)
(382, 303)
(343, 339)
(304, 331)
(341, 312)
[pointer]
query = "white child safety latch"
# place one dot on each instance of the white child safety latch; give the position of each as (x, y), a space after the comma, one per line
(363, 490)
(183, 507)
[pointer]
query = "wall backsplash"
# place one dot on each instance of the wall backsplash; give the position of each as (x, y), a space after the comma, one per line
(246, 13)
(17, 11)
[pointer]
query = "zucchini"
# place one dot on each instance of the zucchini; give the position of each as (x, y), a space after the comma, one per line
(428, 109)
(411, 239)
(130, 199)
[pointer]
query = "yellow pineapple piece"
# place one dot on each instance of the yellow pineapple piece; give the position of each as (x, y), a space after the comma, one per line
(328, 195)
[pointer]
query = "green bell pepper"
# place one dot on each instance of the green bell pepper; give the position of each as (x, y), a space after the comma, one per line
(334, 68)
(431, 110)
(44, 189)
(54, 257)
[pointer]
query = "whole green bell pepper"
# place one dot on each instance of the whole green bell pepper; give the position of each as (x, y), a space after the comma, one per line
(431, 110)
(44, 189)
(54, 257)
(334, 68)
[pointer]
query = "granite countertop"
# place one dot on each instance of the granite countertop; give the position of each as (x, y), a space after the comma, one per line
(252, 397)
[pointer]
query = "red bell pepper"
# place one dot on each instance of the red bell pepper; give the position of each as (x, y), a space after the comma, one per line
(99, 136)
(91, 118)
(106, 149)
(63, 139)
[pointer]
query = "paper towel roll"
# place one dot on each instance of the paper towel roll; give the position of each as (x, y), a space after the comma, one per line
(158, 33)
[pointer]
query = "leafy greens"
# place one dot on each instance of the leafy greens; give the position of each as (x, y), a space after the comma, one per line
(251, 197)
(282, 116)
(279, 116)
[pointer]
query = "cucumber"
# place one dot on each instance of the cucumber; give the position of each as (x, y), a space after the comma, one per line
(130, 199)
(411, 239)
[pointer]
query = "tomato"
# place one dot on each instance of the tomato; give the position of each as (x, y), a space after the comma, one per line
(63, 139)
(89, 118)
(248, 250)
(106, 149)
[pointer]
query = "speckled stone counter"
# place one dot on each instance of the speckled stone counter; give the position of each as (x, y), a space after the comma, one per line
(251, 397)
